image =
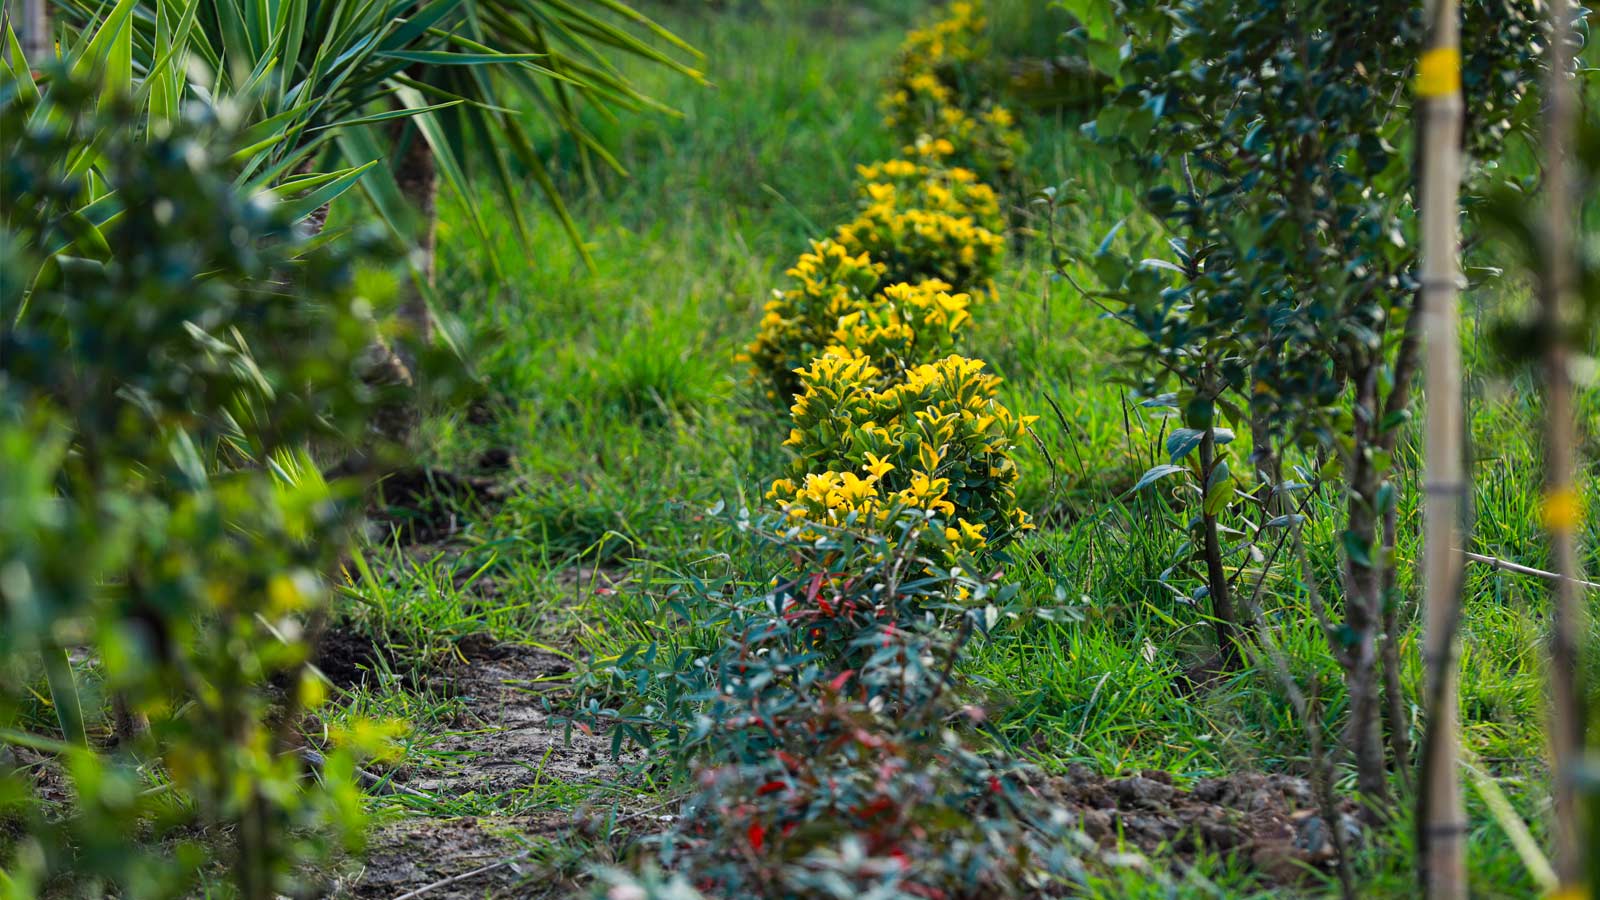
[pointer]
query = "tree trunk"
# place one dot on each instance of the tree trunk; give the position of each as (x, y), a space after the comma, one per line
(1441, 819)
(1357, 647)
(1397, 717)
(1363, 587)
(1562, 503)
(1222, 614)
(1268, 468)
(393, 369)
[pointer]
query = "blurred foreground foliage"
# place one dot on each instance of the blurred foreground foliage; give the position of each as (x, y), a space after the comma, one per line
(167, 539)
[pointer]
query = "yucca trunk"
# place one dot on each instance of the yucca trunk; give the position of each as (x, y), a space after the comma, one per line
(1562, 506)
(33, 30)
(418, 179)
(1440, 817)
(393, 367)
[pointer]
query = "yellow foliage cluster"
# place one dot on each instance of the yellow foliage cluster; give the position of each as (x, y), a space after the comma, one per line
(937, 440)
(921, 243)
(936, 101)
(927, 221)
(798, 323)
(906, 184)
(903, 324)
(886, 415)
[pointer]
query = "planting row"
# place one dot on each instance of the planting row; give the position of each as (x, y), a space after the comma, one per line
(823, 720)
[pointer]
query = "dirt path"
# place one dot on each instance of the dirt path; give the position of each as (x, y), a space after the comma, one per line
(510, 750)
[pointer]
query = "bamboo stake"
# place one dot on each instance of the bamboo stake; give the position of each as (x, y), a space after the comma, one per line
(1440, 814)
(1561, 502)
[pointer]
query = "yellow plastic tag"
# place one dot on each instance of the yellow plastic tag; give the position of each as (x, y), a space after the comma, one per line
(1563, 510)
(1439, 72)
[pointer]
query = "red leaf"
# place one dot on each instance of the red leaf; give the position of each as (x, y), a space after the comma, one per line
(758, 835)
(814, 587)
(838, 680)
(771, 787)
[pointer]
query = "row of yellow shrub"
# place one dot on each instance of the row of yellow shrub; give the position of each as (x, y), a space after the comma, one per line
(939, 103)
(885, 414)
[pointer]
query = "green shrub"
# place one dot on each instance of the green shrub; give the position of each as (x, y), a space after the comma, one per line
(832, 753)
(160, 378)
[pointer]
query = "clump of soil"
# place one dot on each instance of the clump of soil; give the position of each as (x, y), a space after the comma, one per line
(349, 658)
(1272, 822)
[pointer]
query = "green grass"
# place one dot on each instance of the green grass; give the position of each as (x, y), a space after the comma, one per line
(618, 396)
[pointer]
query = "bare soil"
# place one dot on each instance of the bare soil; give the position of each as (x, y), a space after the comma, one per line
(473, 857)
(510, 743)
(1271, 822)
(512, 738)
(424, 504)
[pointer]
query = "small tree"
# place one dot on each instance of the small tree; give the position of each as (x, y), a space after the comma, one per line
(1562, 504)
(1192, 346)
(1545, 231)
(1267, 135)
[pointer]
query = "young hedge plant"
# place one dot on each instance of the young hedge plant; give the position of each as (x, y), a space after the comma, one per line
(832, 745)
(160, 379)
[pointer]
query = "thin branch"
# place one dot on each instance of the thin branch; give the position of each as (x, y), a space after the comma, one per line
(1497, 563)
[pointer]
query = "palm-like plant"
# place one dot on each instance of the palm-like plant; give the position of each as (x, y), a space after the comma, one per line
(431, 88)
(265, 162)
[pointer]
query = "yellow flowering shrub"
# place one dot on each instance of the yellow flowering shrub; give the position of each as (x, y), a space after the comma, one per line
(833, 307)
(914, 244)
(957, 38)
(985, 139)
(909, 185)
(799, 323)
(939, 441)
(937, 96)
(903, 326)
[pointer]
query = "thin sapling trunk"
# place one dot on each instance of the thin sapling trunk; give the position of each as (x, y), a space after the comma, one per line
(1222, 612)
